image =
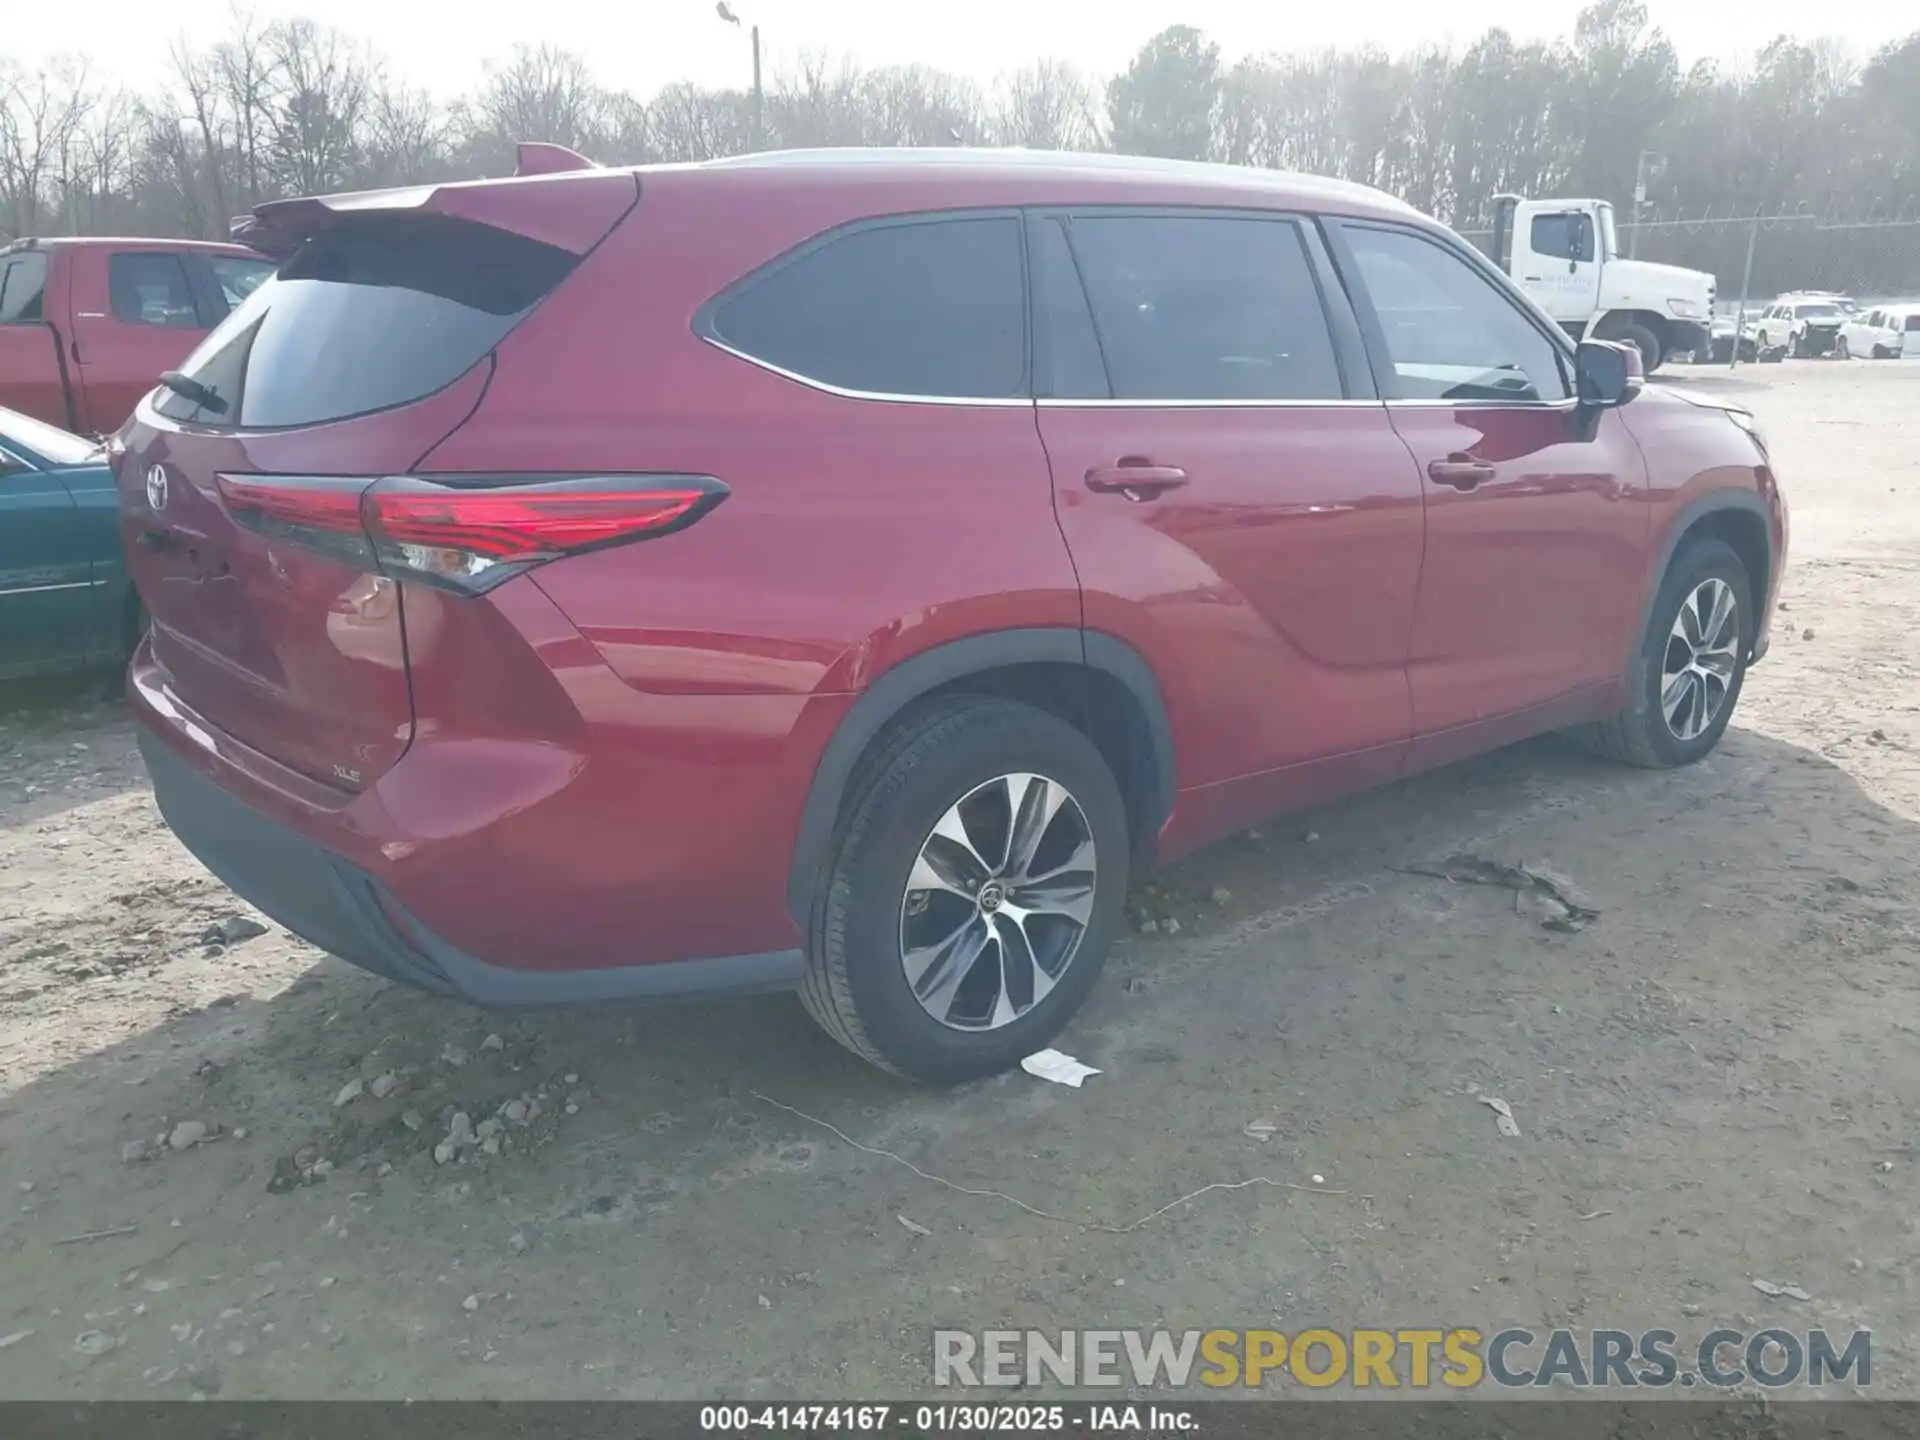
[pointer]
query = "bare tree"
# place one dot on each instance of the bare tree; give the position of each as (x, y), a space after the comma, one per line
(685, 122)
(819, 103)
(917, 105)
(41, 112)
(322, 85)
(406, 135)
(542, 93)
(1044, 105)
(241, 72)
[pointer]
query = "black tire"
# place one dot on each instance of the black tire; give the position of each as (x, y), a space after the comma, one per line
(1841, 350)
(1794, 347)
(1645, 341)
(1640, 734)
(855, 985)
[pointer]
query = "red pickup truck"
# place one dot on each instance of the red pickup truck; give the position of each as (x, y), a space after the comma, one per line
(88, 324)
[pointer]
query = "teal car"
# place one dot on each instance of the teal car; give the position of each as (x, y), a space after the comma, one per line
(65, 600)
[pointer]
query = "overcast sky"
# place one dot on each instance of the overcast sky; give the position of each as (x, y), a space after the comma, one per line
(644, 44)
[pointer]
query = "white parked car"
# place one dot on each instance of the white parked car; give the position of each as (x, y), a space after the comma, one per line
(1801, 324)
(1887, 333)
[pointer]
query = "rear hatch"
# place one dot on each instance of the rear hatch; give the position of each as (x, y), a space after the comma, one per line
(242, 478)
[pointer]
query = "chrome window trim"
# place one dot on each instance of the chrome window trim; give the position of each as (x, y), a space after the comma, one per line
(1482, 404)
(1048, 402)
(43, 589)
(1051, 402)
(827, 388)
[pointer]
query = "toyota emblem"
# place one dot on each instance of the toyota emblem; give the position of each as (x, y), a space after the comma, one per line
(157, 488)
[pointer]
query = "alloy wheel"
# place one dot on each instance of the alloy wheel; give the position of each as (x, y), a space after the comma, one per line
(998, 901)
(1701, 658)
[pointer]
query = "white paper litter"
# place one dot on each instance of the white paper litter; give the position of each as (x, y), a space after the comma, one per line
(912, 1225)
(1061, 1069)
(1503, 1116)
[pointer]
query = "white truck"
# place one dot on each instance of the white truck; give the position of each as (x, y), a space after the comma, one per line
(1566, 255)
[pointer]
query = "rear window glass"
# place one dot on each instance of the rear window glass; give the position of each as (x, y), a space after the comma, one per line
(23, 279)
(149, 287)
(367, 317)
(934, 308)
(238, 278)
(1913, 323)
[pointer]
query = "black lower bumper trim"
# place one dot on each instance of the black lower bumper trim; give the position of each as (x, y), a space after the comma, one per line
(334, 905)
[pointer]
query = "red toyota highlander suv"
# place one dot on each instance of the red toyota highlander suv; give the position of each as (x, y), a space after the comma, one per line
(842, 571)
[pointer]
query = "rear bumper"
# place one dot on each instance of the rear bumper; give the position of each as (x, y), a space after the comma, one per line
(325, 899)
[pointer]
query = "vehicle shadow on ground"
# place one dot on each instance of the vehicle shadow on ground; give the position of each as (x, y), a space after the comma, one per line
(1670, 1067)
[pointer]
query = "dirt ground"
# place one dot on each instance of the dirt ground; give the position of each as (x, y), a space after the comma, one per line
(1715, 1082)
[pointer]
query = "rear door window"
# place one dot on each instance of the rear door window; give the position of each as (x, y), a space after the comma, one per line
(1066, 345)
(150, 287)
(931, 308)
(23, 284)
(366, 317)
(1205, 307)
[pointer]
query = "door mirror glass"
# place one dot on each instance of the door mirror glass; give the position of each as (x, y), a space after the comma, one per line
(1606, 374)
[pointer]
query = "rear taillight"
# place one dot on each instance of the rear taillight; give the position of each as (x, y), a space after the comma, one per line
(468, 533)
(321, 512)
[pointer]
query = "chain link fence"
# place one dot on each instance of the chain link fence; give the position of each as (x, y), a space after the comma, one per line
(1871, 253)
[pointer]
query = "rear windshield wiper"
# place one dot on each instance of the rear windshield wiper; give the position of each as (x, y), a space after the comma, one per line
(188, 388)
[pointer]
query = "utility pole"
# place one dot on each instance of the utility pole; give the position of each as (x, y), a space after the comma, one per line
(725, 11)
(1639, 200)
(759, 98)
(1746, 282)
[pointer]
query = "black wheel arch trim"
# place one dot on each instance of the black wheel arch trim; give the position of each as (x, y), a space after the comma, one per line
(897, 688)
(1711, 503)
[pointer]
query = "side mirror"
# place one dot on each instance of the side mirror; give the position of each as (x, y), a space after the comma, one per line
(1606, 374)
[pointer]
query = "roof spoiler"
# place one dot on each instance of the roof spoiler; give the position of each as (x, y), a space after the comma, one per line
(277, 228)
(537, 157)
(265, 240)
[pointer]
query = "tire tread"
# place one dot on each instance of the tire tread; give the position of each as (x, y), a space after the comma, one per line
(824, 988)
(1626, 737)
